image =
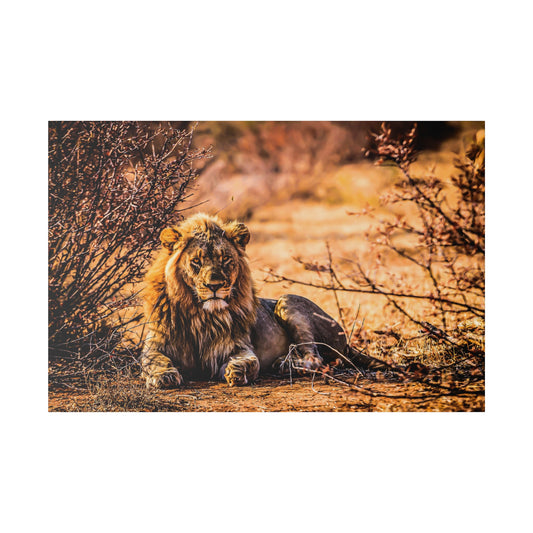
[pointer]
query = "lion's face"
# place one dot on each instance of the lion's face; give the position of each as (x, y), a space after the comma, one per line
(210, 269)
(207, 257)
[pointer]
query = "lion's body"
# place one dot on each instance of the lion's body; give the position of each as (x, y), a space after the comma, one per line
(204, 319)
(295, 320)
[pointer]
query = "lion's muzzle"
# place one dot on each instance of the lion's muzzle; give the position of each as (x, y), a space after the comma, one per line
(214, 295)
(214, 286)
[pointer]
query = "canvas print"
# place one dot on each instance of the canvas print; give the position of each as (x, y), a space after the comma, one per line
(266, 266)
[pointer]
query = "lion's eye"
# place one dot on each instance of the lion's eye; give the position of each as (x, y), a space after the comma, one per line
(226, 260)
(196, 263)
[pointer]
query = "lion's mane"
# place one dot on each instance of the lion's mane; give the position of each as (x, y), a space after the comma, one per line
(197, 340)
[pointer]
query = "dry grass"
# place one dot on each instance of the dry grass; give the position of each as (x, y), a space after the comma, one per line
(117, 392)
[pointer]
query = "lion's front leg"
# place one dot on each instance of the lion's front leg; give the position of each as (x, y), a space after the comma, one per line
(241, 369)
(159, 371)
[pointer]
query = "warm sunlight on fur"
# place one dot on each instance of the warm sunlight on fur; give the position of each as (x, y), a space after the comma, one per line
(205, 320)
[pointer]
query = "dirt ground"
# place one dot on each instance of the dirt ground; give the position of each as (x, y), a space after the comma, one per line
(271, 394)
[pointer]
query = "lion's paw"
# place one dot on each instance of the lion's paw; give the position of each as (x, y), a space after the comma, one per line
(311, 362)
(295, 362)
(241, 370)
(307, 362)
(168, 379)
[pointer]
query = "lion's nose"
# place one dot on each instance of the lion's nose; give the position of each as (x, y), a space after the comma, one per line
(214, 286)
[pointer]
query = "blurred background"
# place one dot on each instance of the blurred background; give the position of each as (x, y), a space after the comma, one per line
(259, 164)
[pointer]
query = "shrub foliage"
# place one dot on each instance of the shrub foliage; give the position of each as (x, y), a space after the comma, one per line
(435, 228)
(445, 230)
(112, 187)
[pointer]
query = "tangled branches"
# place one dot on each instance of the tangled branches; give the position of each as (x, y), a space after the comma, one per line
(432, 229)
(112, 187)
(443, 233)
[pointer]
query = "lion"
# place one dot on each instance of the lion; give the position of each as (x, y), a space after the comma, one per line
(205, 320)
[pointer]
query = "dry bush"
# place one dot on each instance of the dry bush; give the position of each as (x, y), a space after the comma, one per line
(440, 234)
(426, 262)
(112, 187)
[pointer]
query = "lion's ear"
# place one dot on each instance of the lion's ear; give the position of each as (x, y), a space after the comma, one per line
(238, 233)
(169, 237)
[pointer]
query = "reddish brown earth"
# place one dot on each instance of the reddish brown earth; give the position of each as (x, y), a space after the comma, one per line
(276, 395)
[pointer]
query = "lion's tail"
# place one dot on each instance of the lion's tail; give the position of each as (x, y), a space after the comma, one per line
(366, 362)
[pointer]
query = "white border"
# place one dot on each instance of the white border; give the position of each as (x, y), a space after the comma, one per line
(281, 60)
